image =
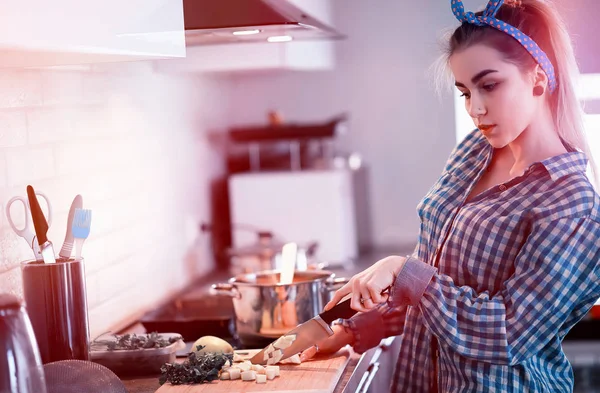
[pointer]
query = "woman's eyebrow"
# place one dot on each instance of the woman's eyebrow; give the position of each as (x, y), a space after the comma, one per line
(476, 78)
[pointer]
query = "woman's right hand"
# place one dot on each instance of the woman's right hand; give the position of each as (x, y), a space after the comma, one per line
(340, 338)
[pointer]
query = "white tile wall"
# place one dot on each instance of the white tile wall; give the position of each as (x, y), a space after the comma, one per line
(132, 142)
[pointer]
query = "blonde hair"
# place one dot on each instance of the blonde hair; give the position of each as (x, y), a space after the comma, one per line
(542, 22)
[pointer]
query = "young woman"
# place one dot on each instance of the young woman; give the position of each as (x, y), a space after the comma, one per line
(508, 254)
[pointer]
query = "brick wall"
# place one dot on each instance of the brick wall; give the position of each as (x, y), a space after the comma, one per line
(132, 142)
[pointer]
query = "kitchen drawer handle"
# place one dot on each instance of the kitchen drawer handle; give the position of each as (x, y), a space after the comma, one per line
(367, 378)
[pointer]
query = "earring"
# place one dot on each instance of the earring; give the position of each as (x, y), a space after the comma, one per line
(538, 91)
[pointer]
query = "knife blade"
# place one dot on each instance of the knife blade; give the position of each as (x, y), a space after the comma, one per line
(41, 227)
(307, 334)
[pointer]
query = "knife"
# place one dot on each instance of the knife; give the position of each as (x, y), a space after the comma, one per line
(41, 227)
(67, 246)
(308, 333)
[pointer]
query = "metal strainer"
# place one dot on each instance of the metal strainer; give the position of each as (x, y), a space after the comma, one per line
(80, 376)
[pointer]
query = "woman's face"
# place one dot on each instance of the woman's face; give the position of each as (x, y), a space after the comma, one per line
(498, 96)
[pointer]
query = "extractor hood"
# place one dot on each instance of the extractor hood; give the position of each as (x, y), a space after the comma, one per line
(209, 22)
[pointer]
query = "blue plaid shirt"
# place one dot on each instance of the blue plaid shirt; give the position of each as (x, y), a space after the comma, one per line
(497, 281)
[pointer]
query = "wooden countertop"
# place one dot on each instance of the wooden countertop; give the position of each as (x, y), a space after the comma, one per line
(150, 385)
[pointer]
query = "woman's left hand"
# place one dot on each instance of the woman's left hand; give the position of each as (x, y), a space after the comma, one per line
(367, 286)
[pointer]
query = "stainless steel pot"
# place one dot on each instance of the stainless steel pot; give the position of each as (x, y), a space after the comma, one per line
(265, 309)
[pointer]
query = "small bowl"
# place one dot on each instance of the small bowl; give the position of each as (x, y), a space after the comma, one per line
(135, 362)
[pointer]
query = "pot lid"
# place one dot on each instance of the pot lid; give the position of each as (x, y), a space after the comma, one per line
(266, 245)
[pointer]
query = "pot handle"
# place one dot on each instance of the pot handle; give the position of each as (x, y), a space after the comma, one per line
(225, 289)
(335, 283)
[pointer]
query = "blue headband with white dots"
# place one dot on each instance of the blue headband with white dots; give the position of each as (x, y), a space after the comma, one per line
(487, 19)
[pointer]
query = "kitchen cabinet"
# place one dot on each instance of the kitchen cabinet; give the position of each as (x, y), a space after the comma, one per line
(311, 55)
(69, 32)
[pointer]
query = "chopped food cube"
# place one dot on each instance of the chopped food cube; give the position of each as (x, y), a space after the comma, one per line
(284, 341)
(261, 378)
(237, 358)
(248, 375)
(257, 367)
(243, 366)
(225, 375)
(273, 368)
(235, 373)
(271, 374)
(277, 355)
(295, 359)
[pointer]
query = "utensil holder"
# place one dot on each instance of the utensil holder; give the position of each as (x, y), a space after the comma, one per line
(57, 306)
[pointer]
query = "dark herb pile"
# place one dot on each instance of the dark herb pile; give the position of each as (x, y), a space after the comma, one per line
(133, 341)
(197, 368)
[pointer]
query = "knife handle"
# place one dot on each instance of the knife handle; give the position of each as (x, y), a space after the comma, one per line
(341, 310)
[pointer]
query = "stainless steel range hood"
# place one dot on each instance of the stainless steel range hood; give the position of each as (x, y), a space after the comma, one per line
(210, 22)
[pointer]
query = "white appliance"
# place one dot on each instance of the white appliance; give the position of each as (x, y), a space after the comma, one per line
(299, 206)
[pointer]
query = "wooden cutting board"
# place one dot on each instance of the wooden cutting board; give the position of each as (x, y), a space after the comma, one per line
(320, 375)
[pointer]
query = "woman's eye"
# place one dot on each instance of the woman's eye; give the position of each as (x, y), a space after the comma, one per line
(466, 95)
(489, 86)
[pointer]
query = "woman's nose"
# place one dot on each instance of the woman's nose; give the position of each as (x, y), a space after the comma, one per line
(476, 108)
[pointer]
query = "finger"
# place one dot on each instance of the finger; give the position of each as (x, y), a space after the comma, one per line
(338, 295)
(368, 304)
(308, 353)
(355, 303)
(375, 293)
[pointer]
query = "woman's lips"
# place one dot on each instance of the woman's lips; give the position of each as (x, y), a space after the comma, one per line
(486, 128)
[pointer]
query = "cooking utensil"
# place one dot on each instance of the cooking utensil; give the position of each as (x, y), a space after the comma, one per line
(288, 255)
(26, 232)
(67, 246)
(82, 220)
(77, 376)
(309, 333)
(41, 227)
(265, 309)
(20, 364)
(57, 306)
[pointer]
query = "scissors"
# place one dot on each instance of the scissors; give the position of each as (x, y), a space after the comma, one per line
(27, 232)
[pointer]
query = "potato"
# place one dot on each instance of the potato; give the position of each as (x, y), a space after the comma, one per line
(212, 344)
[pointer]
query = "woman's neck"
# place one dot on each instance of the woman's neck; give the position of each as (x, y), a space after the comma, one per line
(537, 142)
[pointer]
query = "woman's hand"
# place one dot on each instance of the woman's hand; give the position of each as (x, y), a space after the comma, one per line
(340, 338)
(367, 286)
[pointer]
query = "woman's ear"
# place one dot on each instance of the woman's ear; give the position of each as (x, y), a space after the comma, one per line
(540, 81)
